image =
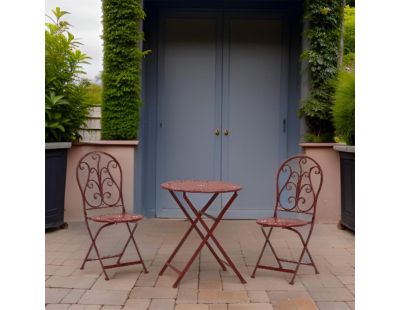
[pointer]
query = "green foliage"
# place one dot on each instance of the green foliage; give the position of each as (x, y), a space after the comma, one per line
(94, 94)
(349, 30)
(66, 109)
(344, 107)
(324, 18)
(351, 3)
(122, 68)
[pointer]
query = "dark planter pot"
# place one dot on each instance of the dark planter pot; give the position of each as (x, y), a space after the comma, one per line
(347, 184)
(56, 169)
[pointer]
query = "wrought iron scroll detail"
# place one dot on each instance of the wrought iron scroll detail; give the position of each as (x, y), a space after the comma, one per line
(298, 184)
(99, 177)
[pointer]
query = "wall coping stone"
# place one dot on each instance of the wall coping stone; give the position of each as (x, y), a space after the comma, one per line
(318, 145)
(109, 142)
(57, 145)
(345, 148)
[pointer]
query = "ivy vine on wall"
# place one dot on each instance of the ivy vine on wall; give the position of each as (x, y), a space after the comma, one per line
(121, 69)
(323, 34)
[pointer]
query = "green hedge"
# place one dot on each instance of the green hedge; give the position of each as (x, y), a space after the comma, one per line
(121, 69)
(324, 18)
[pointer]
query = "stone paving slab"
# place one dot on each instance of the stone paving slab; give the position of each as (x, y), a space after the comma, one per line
(105, 297)
(70, 282)
(55, 295)
(217, 296)
(205, 286)
(154, 292)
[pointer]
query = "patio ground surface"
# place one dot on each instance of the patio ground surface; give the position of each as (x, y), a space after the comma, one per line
(206, 286)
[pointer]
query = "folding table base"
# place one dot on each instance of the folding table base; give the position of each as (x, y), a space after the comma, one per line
(205, 238)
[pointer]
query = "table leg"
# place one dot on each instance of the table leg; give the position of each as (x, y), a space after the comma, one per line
(210, 231)
(193, 225)
(191, 260)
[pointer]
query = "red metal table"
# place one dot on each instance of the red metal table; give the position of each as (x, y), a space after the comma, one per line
(214, 188)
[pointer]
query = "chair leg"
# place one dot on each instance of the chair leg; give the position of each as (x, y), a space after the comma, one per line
(127, 241)
(279, 260)
(93, 245)
(136, 246)
(305, 249)
(267, 236)
(119, 256)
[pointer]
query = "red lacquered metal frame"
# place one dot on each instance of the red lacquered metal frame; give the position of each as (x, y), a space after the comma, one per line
(185, 187)
(99, 177)
(298, 184)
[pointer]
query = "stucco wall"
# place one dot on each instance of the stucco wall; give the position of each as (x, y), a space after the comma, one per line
(123, 151)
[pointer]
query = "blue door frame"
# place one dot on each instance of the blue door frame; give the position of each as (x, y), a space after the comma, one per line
(145, 158)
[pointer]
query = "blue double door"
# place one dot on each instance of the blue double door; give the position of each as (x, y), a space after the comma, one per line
(222, 105)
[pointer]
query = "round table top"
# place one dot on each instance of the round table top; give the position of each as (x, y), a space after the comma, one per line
(201, 186)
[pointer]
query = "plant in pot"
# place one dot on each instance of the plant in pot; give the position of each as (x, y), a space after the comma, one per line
(66, 108)
(343, 112)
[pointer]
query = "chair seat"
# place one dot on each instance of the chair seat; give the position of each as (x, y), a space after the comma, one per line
(281, 222)
(117, 218)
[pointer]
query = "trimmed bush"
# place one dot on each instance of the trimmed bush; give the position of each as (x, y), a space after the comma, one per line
(122, 69)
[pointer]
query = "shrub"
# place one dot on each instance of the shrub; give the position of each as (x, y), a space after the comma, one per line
(344, 107)
(94, 94)
(344, 104)
(66, 109)
(122, 69)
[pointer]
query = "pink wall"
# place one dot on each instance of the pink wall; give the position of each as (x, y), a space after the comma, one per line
(329, 204)
(123, 151)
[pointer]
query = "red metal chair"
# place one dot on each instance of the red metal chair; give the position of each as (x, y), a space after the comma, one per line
(298, 184)
(99, 178)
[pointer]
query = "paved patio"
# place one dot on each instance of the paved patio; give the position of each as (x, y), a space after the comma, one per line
(206, 286)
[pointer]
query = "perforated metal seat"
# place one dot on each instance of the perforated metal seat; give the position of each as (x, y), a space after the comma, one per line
(117, 218)
(281, 222)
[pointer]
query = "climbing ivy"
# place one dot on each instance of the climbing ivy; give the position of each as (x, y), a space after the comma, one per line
(324, 18)
(121, 68)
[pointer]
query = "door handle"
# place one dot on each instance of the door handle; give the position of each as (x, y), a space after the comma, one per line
(226, 132)
(216, 132)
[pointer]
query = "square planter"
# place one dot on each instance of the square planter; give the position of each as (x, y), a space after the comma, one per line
(347, 184)
(56, 168)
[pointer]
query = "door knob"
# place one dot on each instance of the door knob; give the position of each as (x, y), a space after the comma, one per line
(226, 132)
(216, 132)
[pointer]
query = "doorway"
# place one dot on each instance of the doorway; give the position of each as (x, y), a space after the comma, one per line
(222, 101)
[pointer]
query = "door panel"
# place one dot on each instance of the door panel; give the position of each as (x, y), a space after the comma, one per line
(221, 70)
(189, 106)
(252, 112)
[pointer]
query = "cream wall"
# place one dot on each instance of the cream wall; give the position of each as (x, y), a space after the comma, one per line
(123, 151)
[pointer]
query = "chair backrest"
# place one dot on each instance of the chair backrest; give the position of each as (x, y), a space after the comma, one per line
(298, 184)
(99, 177)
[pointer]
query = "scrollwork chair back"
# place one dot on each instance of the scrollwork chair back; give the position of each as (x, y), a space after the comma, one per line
(298, 184)
(99, 178)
